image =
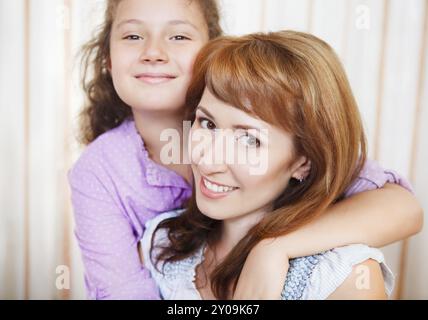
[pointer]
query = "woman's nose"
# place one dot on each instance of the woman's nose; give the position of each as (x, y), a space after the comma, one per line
(211, 156)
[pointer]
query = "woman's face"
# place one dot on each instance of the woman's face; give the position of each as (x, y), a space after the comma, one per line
(153, 46)
(241, 164)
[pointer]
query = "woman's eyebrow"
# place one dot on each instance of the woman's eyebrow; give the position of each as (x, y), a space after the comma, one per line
(205, 111)
(236, 126)
(245, 127)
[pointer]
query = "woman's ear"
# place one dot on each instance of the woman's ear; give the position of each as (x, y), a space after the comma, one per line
(301, 168)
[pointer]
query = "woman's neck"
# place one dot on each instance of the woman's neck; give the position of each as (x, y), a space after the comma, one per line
(234, 230)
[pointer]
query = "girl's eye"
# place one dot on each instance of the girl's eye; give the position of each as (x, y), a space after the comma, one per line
(206, 124)
(249, 141)
(180, 38)
(132, 37)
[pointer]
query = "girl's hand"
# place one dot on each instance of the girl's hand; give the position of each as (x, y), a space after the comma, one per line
(264, 272)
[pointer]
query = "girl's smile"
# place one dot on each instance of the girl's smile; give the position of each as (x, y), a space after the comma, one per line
(155, 78)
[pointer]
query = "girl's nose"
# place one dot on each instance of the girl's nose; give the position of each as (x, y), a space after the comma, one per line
(154, 52)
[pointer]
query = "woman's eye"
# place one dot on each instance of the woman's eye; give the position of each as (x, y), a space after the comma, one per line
(132, 37)
(206, 124)
(249, 141)
(180, 38)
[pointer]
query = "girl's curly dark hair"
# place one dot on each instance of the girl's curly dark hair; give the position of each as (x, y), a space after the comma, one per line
(103, 109)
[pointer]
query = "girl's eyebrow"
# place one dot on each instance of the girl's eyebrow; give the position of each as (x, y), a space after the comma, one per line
(181, 22)
(129, 21)
(171, 22)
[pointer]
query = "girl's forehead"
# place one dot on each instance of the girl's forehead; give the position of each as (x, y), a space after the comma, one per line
(161, 14)
(161, 10)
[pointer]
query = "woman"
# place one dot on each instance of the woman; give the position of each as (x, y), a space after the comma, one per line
(285, 101)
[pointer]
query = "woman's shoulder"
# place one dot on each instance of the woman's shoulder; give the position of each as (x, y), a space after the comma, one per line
(152, 224)
(173, 275)
(335, 266)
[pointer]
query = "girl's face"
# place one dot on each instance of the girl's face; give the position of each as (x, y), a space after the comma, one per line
(153, 46)
(229, 189)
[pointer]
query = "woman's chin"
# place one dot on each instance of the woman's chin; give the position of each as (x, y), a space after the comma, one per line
(210, 212)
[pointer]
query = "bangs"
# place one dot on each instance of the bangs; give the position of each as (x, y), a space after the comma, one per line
(244, 74)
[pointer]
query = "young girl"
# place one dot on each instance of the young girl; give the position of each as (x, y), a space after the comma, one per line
(137, 71)
(286, 96)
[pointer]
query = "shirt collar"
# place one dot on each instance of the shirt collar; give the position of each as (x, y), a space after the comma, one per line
(156, 174)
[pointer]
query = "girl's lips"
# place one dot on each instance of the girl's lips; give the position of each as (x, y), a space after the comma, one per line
(211, 194)
(155, 78)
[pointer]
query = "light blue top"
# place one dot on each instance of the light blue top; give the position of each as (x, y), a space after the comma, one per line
(309, 278)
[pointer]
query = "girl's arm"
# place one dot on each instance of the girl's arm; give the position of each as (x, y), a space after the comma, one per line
(107, 241)
(374, 218)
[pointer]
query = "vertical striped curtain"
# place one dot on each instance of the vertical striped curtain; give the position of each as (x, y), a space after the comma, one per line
(383, 46)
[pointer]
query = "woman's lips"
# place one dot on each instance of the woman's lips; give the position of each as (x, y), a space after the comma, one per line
(211, 194)
(155, 78)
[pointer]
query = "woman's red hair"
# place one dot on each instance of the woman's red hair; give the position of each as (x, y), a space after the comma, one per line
(296, 82)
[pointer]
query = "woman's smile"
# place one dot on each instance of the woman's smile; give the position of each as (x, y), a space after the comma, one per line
(213, 190)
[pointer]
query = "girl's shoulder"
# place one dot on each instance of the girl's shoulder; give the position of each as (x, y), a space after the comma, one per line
(317, 277)
(116, 147)
(113, 141)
